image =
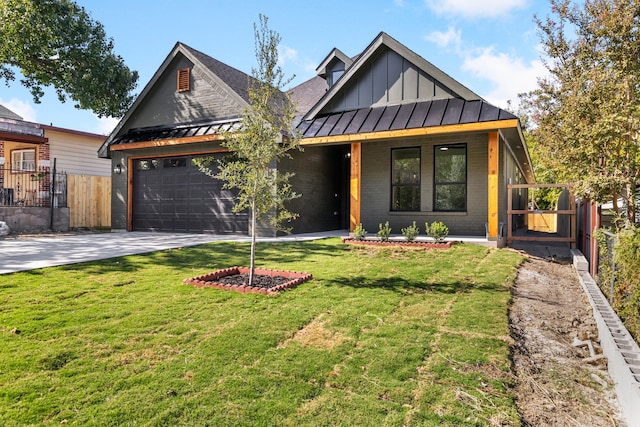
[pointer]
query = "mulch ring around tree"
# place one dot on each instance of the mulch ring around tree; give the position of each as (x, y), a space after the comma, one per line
(416, 244)
(265, 281)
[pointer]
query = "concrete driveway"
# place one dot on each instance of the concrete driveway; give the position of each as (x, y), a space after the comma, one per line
(28, 253)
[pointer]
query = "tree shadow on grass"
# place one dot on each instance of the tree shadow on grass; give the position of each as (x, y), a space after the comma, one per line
(401, 285)
(210, 256)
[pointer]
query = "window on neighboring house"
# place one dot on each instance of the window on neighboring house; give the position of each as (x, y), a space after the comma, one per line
(450, 178)
(183, 80)
(405, 179)
(23, 160)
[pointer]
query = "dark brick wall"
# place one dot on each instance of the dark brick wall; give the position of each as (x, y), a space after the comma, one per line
(320, 179)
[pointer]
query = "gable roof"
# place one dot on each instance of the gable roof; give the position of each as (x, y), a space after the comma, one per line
(335, 53)
(5, 113)
(461, 110)
(234, 82)
(307, 94)
(383, 40)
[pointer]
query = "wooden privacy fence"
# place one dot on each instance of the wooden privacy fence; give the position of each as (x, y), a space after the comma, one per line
(89, 201)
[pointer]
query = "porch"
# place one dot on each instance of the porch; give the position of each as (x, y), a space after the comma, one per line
(33, 199)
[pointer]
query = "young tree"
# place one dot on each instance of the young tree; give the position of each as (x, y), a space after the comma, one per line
(265, 136)
(55, 42)
(587, 111)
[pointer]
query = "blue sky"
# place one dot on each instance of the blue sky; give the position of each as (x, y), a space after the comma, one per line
(491, 46)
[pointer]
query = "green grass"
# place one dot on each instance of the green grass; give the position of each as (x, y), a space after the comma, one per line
(379, 337)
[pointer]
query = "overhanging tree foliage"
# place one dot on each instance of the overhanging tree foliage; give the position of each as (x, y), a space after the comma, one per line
(587, 111)
(56, 43)
(264, 137)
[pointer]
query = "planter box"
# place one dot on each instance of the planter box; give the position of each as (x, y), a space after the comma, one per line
(418, 244)
(211, 280)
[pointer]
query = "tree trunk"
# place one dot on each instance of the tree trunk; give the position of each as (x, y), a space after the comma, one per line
(252, 262)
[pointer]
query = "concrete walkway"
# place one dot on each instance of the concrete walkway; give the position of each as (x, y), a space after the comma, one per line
(28, 253)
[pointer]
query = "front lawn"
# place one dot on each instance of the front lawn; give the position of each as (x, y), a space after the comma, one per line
(379, 337)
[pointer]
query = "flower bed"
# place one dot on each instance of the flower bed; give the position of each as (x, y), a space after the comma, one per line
(266, 281)
(435, 245)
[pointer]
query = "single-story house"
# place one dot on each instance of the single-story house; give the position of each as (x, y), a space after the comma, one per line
(27, 148)
(28, 152)
(387, 136)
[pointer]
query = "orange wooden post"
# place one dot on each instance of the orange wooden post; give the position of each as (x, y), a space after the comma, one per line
(493, 165)
(354, 205)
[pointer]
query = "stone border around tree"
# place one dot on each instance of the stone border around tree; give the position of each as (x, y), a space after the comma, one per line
(209, 280)
(417, 244)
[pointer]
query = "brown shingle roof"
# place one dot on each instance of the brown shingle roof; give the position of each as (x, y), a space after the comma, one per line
(237, 80)
(8, 114)
(307, 94)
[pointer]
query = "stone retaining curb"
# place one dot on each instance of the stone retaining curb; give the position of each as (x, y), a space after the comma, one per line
(618, 345)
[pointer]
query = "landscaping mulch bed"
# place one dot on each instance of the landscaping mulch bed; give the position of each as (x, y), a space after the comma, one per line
(417, 244)
(265, 281)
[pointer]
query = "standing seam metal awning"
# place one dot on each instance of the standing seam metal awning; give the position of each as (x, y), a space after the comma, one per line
(441, 112)
(175, 132)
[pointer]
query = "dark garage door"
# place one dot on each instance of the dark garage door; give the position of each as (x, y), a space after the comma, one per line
(171, 194)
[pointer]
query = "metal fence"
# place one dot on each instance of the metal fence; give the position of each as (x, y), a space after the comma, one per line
(607, 266)
(33, 188)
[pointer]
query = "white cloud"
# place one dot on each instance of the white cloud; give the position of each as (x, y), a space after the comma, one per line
(286, 54)
(452, 37)
(105, 125)
(474, 8)
(21, 108)
(508, 75)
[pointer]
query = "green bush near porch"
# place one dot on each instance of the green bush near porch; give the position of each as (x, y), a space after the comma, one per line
(380, 336)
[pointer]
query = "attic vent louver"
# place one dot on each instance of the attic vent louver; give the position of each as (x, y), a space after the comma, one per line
(183, 80)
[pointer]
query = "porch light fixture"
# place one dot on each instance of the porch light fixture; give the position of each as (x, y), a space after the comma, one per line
(117, 169)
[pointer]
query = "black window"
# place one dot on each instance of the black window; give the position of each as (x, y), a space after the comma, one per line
(405, 179)
(450, 178)
(179, 162)
(147, 164)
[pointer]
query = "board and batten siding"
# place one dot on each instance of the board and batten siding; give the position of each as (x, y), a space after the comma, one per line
(376, 186)
(389, 79)
(77, 153)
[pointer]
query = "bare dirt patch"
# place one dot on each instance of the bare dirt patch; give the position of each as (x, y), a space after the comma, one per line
(555, 386)
(316, 334)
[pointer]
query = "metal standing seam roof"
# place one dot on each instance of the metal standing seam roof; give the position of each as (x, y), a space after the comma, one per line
(173, 132)
(441, 112)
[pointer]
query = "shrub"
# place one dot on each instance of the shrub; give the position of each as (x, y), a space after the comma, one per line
(359, 233)
(437, 230)
(410, 232)
(384, 232)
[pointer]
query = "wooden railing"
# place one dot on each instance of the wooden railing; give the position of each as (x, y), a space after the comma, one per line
(570, 212)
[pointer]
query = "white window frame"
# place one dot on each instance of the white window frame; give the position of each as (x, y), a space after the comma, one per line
(19, 163)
